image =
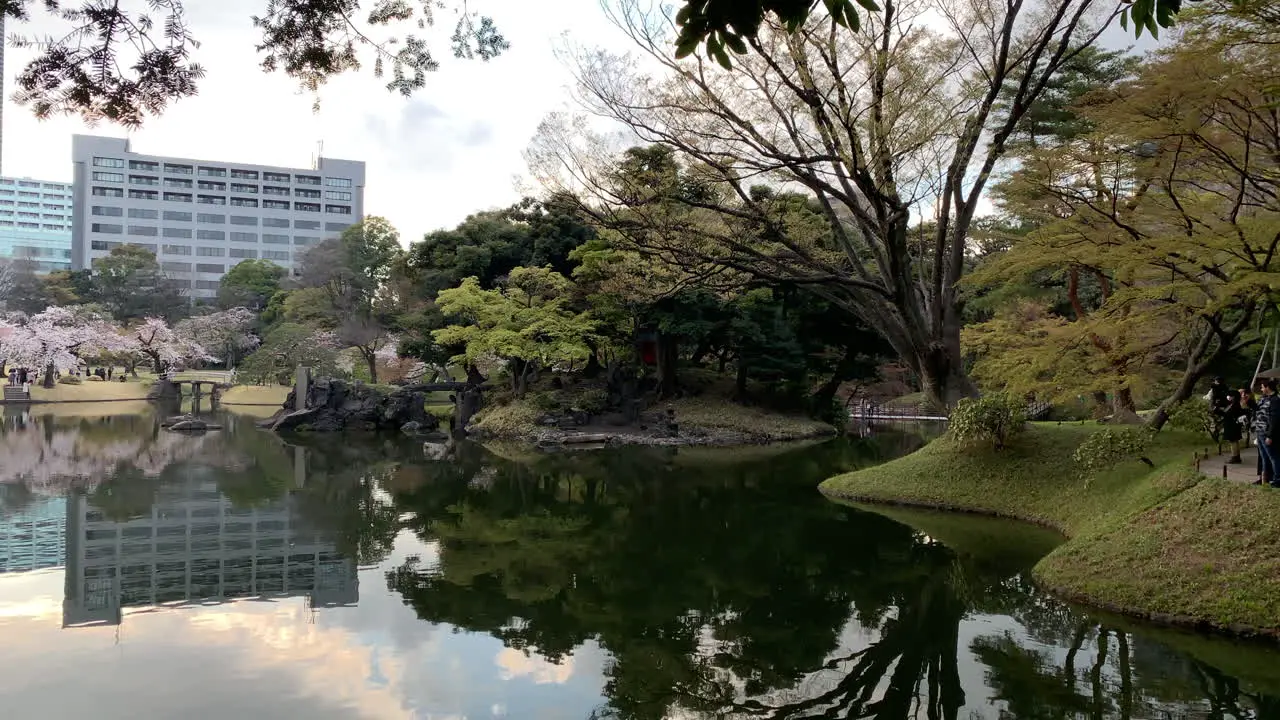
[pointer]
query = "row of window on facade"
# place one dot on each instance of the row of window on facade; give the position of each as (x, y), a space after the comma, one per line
(33, 194)
(234, 173)
(28, 225)
(220, 200)
(214, 218)
(183, 184)
(33, 184)
(185, 250)
(185, 234)
(32, 204)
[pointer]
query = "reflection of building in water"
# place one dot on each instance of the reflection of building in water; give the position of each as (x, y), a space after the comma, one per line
(34, 536)
(195, 547)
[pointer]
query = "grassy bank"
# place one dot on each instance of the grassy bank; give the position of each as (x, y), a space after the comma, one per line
(1166, 543)
(706, 420)
(102, 391)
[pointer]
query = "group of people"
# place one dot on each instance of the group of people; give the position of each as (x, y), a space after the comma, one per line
(23, 377)
(1241, 416)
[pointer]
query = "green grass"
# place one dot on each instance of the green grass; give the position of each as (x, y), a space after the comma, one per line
(1165, 543)
(256, 395)
(92, 391)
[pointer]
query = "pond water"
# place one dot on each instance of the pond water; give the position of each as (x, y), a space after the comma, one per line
(150, 575)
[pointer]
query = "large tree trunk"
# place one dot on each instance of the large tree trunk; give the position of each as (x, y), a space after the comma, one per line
(942, 376)
(668, 361)
(371, 360)
(48, 381)
(1215, 344)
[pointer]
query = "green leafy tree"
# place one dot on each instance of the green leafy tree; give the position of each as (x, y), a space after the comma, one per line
(346, 287)
(131, 285)
(250, 283)
(24, 291)
(286, 347)
(526, 324)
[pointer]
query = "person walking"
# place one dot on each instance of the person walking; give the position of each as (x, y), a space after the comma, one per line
(1250, 404)
(1266, 429)
(1234, 419)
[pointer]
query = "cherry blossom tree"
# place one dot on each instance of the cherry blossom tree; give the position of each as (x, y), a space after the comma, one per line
(55, 340)
(228, 332)
(163, 346)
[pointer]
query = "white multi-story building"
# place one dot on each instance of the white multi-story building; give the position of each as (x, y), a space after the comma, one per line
(202, 217)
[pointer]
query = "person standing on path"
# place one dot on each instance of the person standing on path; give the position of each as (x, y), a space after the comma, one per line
(1234, 419)
(1265, 428)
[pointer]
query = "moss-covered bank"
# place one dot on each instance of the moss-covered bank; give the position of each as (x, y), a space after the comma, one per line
(702, 421)
(1166, 544)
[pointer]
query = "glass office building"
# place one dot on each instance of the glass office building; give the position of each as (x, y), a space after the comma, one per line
(35, 222)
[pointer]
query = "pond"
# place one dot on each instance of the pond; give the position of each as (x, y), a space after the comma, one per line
(145, 574)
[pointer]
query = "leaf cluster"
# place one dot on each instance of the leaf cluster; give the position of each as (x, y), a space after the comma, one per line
(995, 418)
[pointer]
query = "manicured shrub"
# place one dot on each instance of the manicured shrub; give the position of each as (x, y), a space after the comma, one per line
(69, 380)
(996, 418)
(1193, 415)
(94, 378)
(1109, 447)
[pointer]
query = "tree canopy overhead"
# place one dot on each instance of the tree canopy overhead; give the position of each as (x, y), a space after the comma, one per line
(121, 62)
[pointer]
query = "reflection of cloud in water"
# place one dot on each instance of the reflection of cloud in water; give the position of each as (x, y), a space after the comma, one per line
(515, 663)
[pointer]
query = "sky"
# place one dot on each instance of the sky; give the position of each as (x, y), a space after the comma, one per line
(452, 149)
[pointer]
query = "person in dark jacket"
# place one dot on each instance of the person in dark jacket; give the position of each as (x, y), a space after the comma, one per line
(1234, 420)
(1266, 428)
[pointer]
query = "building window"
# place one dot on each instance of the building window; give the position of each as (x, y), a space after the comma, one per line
(243, 253)
(29, 204)
(273, 190)
(107, 228)
(338, 209)
(143, 214)
(244, 220)
(276, 205)
(338, 182)
(172, 232)
(306, 224)
(177, 169)
(176, 249)
(275, 255)
(271, 239)
(211, 219)
(210, 185)
(306, 207)
(305, 240)
(97, 162)
(143, 180)
(211, 252)
(29, 225)
(144, 194)
(313, 194)
(242, 188)
(337, 195)
(103, 245)
(177, 216)
(176, 266)
(106, 211)
(212, 171)
(51, 227)
(244, 202)
(177, 197)
(211, 199)
(51, 206)
(177, 183)
(144, 165)
(244, 237)
(210, 268)
(50, 216)
(306, 179)
(143, 230)
(24, 193)
(244, 174)
(108, 192)
(336, 226)
(208, 285)
(211, 235)
(275, 222)
(149, 247)
(275, 177)
(105, 177)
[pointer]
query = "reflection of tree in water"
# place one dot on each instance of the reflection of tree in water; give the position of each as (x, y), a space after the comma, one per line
(715, 588)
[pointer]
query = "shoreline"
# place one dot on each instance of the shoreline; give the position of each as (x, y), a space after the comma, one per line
(1160, 545)
(697, 437)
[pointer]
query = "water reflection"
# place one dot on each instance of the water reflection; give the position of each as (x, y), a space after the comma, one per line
(644, 583)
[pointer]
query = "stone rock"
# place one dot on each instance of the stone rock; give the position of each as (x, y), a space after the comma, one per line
(334, 405)
(191, 425)
(413, 427)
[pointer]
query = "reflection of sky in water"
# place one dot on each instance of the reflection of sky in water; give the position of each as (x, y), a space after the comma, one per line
(274, 660)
